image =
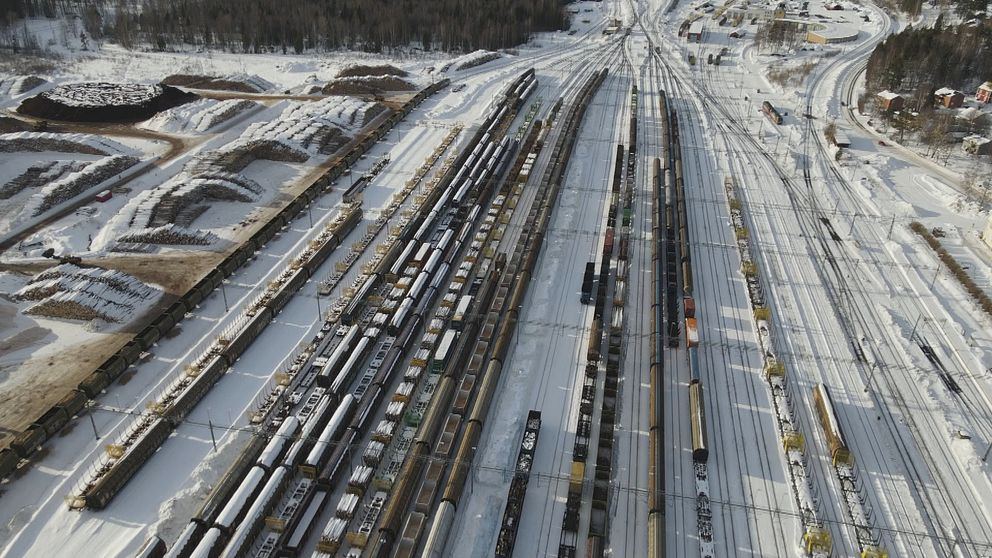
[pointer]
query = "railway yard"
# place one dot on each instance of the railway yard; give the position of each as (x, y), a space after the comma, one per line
(591, 299)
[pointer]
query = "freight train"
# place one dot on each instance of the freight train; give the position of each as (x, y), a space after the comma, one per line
(518, 486)
(417, 276)
(508, 297)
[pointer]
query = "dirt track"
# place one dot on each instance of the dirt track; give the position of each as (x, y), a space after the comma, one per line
(177, 145)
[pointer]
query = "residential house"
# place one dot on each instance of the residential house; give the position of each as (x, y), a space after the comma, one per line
(889, 101)
(948, 97)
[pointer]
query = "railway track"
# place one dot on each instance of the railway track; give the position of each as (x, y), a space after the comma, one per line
(710, 102)
(867, 321)
(370, 387)
(739, 353)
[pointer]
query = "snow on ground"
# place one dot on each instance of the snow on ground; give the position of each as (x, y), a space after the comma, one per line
(186, 467)
(545, 364)
(894, 269)
(281, 71)
(261, 155)
(889, 190)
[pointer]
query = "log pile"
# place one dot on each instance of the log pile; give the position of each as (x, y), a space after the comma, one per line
(75, 183)
(239, 83)
(189, 193)
(104, 102)
(35, 142)
(76, 293)
(169, 234)
(38, 175)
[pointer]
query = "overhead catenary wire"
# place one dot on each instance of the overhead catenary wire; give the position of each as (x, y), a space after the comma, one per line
(539, 476)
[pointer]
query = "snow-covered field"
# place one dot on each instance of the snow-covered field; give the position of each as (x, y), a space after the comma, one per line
(855, 297)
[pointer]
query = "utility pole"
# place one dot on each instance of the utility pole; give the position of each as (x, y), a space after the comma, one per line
(912, 333)
(934, 282)
(891, 226)
(212, 439)
(871, 374)
(96, 435)
(223, 293)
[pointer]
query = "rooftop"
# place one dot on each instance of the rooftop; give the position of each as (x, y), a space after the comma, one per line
(888, 95)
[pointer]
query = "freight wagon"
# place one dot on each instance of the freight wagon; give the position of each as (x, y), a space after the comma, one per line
(697, 423)
(771, 113)
(825, 411)
(587, 282)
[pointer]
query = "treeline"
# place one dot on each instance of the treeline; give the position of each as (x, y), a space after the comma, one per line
(920, 61)
(309, 25)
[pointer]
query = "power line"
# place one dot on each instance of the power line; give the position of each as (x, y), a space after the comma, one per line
(559, 478)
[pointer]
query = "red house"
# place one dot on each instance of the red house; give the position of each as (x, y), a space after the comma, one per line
(949, 97)
(890, 101)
